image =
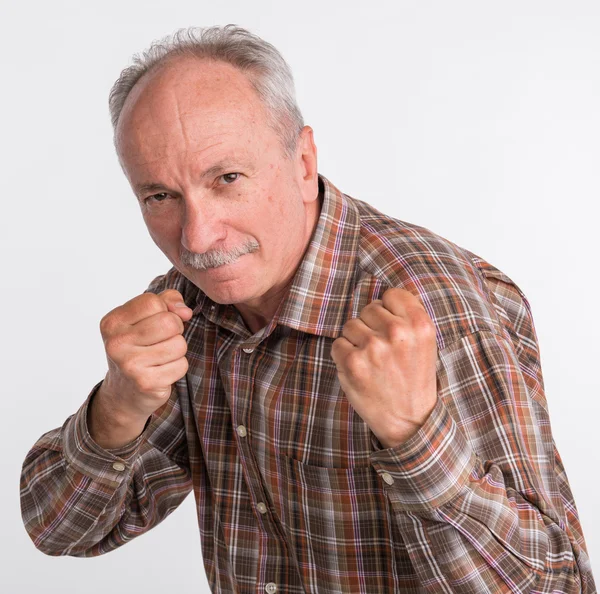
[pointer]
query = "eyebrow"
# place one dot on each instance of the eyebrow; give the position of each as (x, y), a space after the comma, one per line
(147, 188)
(217, 169)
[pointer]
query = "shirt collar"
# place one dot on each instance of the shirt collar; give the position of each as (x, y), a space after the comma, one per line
(320, 296)
(321, 293)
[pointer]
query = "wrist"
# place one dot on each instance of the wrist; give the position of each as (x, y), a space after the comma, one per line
(109, 426)
(400, 437)
(403, 430)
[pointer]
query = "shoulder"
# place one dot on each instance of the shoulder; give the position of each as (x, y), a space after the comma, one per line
(460, 289)
(397, 251)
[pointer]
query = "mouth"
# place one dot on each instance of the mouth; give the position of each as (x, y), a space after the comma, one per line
(214, 259)
(216, 267)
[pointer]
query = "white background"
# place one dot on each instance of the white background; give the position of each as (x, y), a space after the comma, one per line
(478, 120)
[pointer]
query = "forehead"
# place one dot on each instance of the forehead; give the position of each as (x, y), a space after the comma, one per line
(193, 106)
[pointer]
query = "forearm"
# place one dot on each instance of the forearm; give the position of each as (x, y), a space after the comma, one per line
(80, 499)
(467, 530)
(64, 511)
(108, 427)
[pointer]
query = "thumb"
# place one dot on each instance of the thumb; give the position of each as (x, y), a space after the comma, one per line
(174, 302)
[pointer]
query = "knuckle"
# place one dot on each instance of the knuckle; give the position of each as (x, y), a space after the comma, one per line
(170, 295)
(181, 344)
(424, 325)
(185, 365)
(151, 301)
(375, 345)
(177, 323)
(371, 307)
(128, 368)
(114, 345)
(108, 324)
(144, 384)
(334, 348)
(354, 363)
(397, 331)
(147, 304)
(147, 382)
(393, 293)
(177, 371)
(169, 323)
(338, 345)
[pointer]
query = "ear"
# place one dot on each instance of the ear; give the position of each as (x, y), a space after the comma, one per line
(306, 161)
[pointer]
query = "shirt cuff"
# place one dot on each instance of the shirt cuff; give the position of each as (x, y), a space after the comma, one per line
(430, 468)
(107, 466)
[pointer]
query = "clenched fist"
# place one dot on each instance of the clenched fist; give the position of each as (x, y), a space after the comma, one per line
(146, 352)
(386, 363)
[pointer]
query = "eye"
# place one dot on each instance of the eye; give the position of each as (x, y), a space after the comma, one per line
(160, 197)
(229, 178)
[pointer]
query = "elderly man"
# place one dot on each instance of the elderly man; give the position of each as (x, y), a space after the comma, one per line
(356, 402)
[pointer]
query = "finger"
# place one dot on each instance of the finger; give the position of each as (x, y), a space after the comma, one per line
(140, 308)
(356, 332)
(175, 304)
(340, 349)
(166, 351)
(156, 328)
(163, 376)
(376, 317)
(398, 301)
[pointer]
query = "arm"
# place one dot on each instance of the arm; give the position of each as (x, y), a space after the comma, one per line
(479, 492)
(76, 501)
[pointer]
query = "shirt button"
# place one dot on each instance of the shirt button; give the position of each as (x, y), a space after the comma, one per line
(241, 431)
(388, 478)
(119, 466)
(271, 588)
(262, 508)
(248, 351)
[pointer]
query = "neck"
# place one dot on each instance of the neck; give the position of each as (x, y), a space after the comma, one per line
(257, 316)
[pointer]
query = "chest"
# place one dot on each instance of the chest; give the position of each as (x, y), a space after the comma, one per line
(285, 395)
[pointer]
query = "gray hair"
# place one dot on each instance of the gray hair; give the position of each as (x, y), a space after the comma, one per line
(264, 66)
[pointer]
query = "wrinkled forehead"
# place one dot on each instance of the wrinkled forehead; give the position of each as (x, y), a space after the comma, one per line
(189, 106)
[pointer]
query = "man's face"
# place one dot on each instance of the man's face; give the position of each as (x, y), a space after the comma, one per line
(218, 194)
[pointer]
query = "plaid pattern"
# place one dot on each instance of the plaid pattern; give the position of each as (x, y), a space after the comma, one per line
(291, 486)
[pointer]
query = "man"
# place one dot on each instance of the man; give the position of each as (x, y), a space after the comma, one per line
(356, 402)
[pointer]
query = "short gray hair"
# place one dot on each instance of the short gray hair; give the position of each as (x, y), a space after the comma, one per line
(264, 66)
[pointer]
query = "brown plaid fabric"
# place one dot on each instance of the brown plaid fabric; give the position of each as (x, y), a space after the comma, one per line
(294, 493)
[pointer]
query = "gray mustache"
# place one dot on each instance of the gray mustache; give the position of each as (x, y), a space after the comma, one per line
(214, 258)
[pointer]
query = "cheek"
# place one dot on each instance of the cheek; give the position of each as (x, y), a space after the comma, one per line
(166, 235)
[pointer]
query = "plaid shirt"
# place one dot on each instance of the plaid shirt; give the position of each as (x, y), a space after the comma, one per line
(294, 493)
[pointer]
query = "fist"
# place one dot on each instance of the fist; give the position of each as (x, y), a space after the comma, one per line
(145, 349)
(386, 363)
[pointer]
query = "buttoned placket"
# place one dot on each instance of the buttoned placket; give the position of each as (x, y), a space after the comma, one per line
(273, 551)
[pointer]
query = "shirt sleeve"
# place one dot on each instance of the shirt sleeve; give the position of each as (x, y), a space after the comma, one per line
(479, 493)
(82, 500)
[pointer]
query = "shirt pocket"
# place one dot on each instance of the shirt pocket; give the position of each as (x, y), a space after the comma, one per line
(337, 522)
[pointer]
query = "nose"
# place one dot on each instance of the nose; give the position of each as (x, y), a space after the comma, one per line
(202, 227)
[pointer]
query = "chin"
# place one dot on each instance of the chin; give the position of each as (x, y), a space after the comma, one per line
(229, 297)
(228, 284)
(228, 291)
